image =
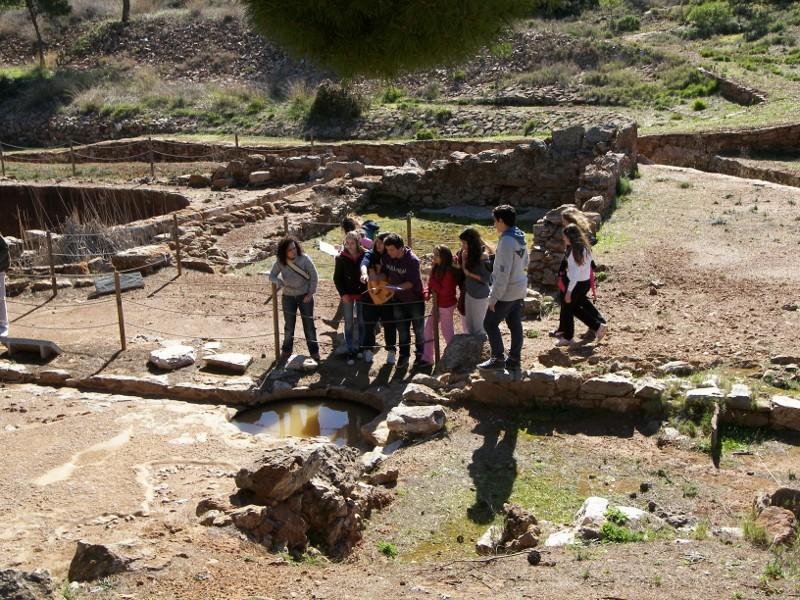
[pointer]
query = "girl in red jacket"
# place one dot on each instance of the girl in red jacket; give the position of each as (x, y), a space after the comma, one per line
(443, 282)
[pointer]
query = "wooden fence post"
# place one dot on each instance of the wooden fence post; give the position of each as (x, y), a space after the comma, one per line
(275, 323)
(286, 225)
(72, 160)
(152, 157)
(236, 139)
(120, 316)
(2, 160)
(52, 262)
(436, 349)
(408, 229)
(176, 238)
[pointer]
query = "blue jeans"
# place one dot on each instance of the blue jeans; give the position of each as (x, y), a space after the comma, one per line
(511, 313)
(291, 304)
(353, 325)
(406, 316)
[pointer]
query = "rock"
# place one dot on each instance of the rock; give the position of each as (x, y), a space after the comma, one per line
(677, 367)
(534, 557)
(197, 264)
(785, 359)
(565, 537)
(520, 530)
(785, 412)
(229, 361)
(26, 585)
(416, 393)
(260, 177)
(145, 259)
(173, 357)
(94, 561)
(779, 524)
(489, 542)
(208, 504)
(53, 376)
(298, 362)
(281, 472)
(607, 385)
(649, 389)
(15, 287)
(592, 513)
(199, 181)
(532, 305)
(303, 163)
(568, 139)
(43, 286)
(385, 478)
(428, 381)
(463, 352)
(632, 513)
(740, 397)
(703, 396)
(416, 420)
(728, 533)
(595, 204)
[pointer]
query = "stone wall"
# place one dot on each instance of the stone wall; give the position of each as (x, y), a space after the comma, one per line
(735, 92)
(541, 174)
(697, 150)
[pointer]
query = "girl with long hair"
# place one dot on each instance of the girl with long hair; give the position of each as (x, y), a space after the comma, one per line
(347, 278)
(474, 262)
(443, 281)
(576, 302)
(295, 274)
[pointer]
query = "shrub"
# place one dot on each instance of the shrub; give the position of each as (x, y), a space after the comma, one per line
(431, 91)
(550, 74)
(442, 115)
(711, 18)
(392, 94)
(687, 82)
(387, 549)
(616, 534)
(300, 98)
(425, 134)
(699, 105)
(624, 186)
(334, 102)
(531, 126)
(459, 76)
(626, 23)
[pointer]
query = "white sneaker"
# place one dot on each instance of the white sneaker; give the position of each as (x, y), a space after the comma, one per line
(367, 356)
(391, 358)
(563, 342)
(601, 332)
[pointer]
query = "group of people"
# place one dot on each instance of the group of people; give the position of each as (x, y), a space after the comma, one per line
(379, 282)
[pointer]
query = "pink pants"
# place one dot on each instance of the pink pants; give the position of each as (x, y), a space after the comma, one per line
(446, 326)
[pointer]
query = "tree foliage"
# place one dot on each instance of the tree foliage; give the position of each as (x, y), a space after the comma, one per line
(383, 38)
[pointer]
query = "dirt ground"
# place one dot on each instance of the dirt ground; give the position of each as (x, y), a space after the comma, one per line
(111, 468)
(722, 252)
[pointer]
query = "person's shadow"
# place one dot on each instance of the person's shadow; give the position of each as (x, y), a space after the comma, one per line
(493, 469)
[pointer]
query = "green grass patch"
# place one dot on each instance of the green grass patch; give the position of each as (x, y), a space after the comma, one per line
(387, 549)
(612, 533)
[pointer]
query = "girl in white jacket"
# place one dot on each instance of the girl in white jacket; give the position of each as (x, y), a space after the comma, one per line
(576, 302)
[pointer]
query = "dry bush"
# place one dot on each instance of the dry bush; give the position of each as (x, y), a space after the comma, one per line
(16, 23)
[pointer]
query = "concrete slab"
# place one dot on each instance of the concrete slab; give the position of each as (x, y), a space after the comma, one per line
(44, 348)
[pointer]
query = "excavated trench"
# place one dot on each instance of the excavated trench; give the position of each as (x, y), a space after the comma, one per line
(28, 207)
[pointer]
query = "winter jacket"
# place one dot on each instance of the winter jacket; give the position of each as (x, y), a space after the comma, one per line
(293, 283)
(347, 275)
(510, 273)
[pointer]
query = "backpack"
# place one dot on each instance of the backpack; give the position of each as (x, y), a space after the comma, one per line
(370, 229)
(5, 255)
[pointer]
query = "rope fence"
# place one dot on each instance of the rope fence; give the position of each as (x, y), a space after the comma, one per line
(272, 307)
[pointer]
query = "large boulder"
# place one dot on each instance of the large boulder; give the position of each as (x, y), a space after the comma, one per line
(463, 352)
(305, 491)
(26, 585)
(416, 420)
(785, 412)
(145, 259)
(283, 471)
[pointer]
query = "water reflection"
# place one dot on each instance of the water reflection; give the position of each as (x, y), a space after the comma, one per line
(339, 421)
